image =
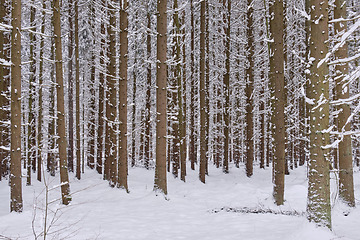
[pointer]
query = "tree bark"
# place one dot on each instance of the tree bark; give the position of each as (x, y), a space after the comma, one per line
(111, 114)
(123, 156)
(249, 142)
(77, 82)
(161, 82)
(64, 178)
(202, 94)
(318, 202)
(71, 88)
(346, 181)
(226, 80)
(277, 81)
(16, 203)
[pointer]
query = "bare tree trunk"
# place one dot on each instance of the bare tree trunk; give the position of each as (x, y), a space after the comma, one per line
(249, 90)
(148, 95)
(123, 156)
(346, 181)
(16, 203)
(182, 108)
(77, 81)
(318, 206)
(192, 142)
(111, 114)
(226, 80)
(161, 82)
(71, 88)
(31, 151)
(40, 90)
(100, 134)
(4, 86)
(64, 178)
(51, 156)
(277, 81)
(92, 124)
(202, 94)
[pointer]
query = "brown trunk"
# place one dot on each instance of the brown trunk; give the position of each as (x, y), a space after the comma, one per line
(182, 108)
(226, 80)
(346, 181)
(249, 142)
(70, 88)
(277, 81)
(148, 96)
(64, 178)
(100, 133)
(31, 151)
(110, 143)
(16, 203)
(202, 94)
(40, 110)
(123, 156)
(161, 82)
(192, 138)
(318, 206)
(77, 81)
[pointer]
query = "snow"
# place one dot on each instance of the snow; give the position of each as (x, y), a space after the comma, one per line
(98, 211)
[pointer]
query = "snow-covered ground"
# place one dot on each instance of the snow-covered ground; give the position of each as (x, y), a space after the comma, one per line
(192, 210)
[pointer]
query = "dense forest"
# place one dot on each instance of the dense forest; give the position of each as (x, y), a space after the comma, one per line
(176, 86)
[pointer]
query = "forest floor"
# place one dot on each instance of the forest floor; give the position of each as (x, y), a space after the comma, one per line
(229, 206)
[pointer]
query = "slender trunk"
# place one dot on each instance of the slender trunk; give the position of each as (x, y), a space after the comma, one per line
(182, 109)
(346, 181)
(202, 94)
(123, 156)
(100, 133)
(148, 95)
(40, 111)
(31, 159)
(64, 178)
(111, 115)
(4, 85)
(16, 203)
(161, 82)
(71, 88)
(77, 81)
(226, 80)
(192, 142)
(249, 91)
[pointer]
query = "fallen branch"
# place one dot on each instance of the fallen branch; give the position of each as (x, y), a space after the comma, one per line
(259, 211)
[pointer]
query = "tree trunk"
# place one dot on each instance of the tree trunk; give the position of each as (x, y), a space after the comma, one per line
(31, 144)
(40, 90)
(77, 81)
(249, 142)
(123, 156)
(277, 81)
(16, 204)
(226, 80)
(4, 88)
(148, 95)
(161, 82)
(100, 133)
(110, 144)
(202, 94)
(192, 138)
(346, 181)
(318, 205)
(64, 178)
(70, 88)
